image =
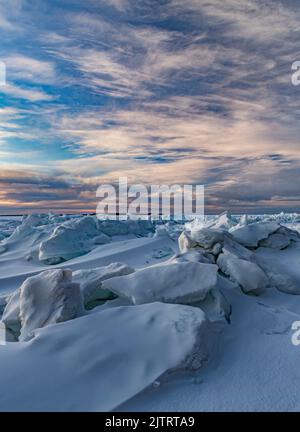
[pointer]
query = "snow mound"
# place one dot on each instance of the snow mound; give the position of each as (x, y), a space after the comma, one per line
(103, 359)
(26, 231)
(249, 276)
(174, 282)
(69, 240)
(90, 281)
(47, 298)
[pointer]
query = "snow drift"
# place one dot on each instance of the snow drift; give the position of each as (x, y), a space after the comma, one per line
(97, 362)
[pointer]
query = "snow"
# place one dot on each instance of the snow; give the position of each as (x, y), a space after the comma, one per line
(130, 315)
(175, 282)
(71, 239)
(97, 362)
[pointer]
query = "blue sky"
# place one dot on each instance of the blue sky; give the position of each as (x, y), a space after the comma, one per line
(168, 91)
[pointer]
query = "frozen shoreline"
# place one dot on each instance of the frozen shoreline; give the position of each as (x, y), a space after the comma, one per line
(252, 367)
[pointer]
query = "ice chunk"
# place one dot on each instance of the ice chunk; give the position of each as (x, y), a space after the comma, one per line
(71, 239)
(102, 239)
(223, 221)
(185, 242)
(90, 281)
(208, 239)
(112, 228)
(174, 282)
(47, 298)
(137, 227)
(3, 303)
(234, 248)
(26, 235)
(276, 241)
(194, 256)
(278, 279)
(251, 235)
(248, 275)
(11, 314)
(140, 227)
(161, 231)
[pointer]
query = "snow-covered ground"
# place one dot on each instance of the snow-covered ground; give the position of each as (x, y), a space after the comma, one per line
(135, 316)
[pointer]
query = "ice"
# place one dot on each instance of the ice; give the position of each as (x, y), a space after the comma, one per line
(276, 241)
(250, 235)
(208, 239)
(194, 256)
(77, 237)
(174, 282)
(101, 239)
(224, 221)
(11, 314)
(279, 278)
(69, 240)
(3, 302)
(186, 242)
(47, 298)
(97, 362)
(247, 274)
(90, 281)
(161, 231)
(111, 348)
(26, 235)
(137, 227)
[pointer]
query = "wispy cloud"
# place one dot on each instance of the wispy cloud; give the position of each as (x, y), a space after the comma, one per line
(193, 91)
(25, 68)
(29, 94)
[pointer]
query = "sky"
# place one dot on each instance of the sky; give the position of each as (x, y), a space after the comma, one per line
(160, 91)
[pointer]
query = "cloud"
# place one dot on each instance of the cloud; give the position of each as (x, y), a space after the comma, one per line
(24, 68)
(26, 93)
(192, 92)
(250, 19)
(120, 5)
